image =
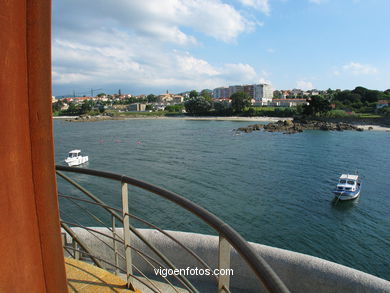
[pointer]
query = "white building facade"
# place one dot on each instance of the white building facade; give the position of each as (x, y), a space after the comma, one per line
(263, 93)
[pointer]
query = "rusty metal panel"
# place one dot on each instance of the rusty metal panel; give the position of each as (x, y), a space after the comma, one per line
(42, 146)
(30, 244)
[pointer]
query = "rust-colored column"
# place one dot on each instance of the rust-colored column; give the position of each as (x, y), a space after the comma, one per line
(31, 256)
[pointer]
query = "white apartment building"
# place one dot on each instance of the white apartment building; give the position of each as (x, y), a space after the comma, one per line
(235, 89)
(221, 93)
(263, 93)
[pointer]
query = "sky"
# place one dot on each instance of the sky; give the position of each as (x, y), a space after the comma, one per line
(154, 46)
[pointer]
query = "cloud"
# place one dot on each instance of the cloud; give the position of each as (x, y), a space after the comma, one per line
(359, 69)
(161, 20)
(305, 85)
(261, 5)
(317, 1)
(126, 60)
(143, 44)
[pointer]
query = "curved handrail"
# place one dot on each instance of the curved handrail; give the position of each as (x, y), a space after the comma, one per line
(260, 267)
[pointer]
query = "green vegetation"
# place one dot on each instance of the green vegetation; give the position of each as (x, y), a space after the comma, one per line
(87, 107)
(151, 98)
(136, 114)
(360, 100)
(240, 100)
(178, 108)
(385, 111)
(358, 103)
(193, 94)
(270, 111)
(197, 105)
(318, 105)
(339, 114)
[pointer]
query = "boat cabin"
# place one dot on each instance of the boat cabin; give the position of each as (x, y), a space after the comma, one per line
(348, 182)
(74, 154)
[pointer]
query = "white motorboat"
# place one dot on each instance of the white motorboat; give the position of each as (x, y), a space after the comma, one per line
(348, 187)
(75, 158)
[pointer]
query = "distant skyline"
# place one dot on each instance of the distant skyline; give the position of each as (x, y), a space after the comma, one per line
(152, 46)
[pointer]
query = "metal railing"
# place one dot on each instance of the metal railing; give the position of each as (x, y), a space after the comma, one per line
(228, 237)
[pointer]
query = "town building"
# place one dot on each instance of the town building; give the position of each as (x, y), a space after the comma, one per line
(136, 107)
(221, 93)
(170, 99)
(263, 93)
(249, 89)
(235, 89)
(288, 102)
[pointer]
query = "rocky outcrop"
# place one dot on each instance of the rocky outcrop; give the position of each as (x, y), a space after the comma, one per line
(89, 118)
(291, 127)
(251, 128)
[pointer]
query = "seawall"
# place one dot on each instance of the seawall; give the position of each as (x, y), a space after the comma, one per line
(300, 272)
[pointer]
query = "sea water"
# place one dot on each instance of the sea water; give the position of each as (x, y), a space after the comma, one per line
(273, 188)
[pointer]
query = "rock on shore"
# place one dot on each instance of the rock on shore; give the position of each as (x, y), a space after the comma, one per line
(291, 127)
(89, 118)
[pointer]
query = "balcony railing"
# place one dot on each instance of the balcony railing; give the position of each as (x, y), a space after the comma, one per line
(117, 235)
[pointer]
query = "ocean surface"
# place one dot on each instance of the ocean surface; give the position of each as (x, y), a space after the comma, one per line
(274, 189)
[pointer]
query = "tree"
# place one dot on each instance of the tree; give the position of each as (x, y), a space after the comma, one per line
(100, 106)
(362, 91)
(193, 94)
(317, 105)
(86, 106)
(72, 109)
(197, 105)
(385, 111)
(56, 106)
(151, 98)
(240, 100)
(277, 94)
(223, 108)
(373, 96)
(174, 108)
(206, 94)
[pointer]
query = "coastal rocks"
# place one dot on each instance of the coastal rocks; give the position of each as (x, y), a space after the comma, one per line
(251, 128)
(89, 118)
(291, 127)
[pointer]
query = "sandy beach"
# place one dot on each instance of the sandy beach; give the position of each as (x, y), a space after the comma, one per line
(231, 118)
(374, 128)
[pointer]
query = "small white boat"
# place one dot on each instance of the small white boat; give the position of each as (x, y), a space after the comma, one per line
(75, 158)
(348, 187)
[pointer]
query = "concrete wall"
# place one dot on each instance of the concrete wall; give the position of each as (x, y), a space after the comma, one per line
(300, 272)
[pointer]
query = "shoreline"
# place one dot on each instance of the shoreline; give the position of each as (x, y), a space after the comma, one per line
(205, 118)
(373, 127)
(366, 127)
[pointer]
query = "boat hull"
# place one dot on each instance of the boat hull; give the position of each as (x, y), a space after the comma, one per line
(77, 161)
(346, 195)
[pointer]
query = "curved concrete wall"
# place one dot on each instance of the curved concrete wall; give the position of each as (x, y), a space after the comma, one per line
(300, 272)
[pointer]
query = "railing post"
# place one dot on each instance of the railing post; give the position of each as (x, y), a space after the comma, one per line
(75, 249)
(63, 239)
(223, 264)
(126, 234)
(115, 246)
